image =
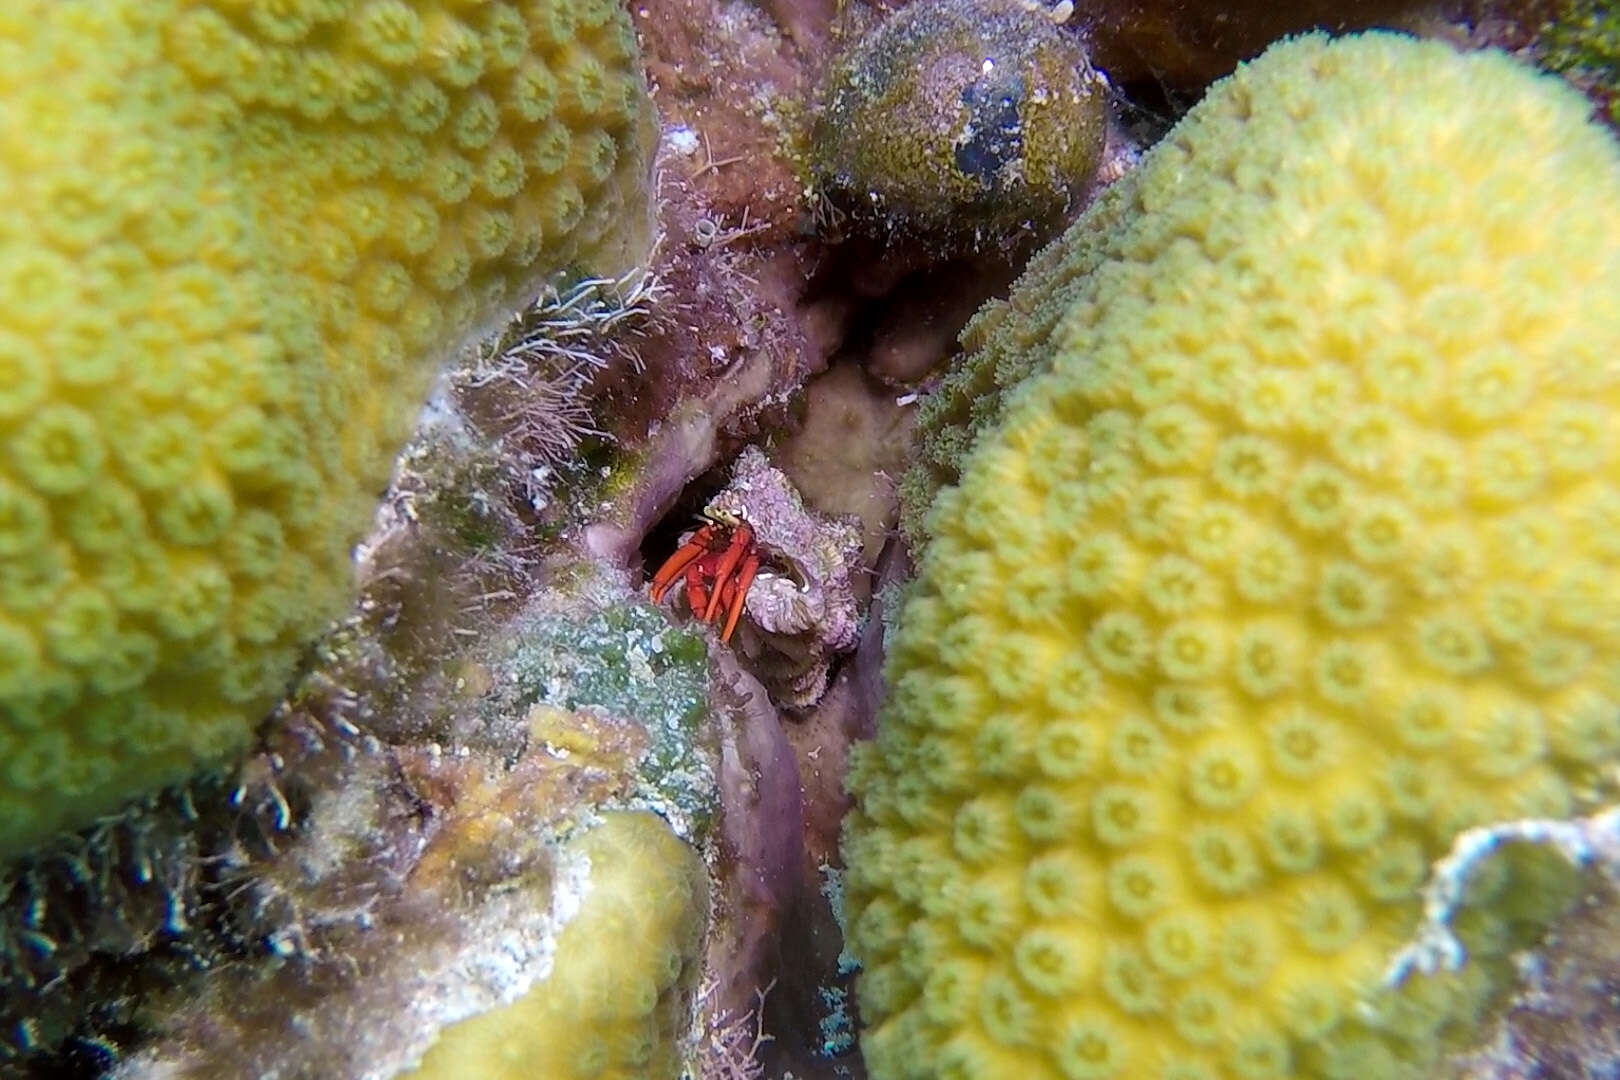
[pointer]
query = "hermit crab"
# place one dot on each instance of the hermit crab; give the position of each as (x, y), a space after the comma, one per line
(719, 561)
(760, 552)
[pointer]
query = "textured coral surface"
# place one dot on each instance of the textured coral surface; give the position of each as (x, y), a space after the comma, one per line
(612, 1006)
(233, 240)
(1299, 556)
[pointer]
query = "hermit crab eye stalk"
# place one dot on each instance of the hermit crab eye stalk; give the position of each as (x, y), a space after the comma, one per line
(719, 562)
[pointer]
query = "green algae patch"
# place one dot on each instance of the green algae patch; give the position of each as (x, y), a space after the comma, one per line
(625, 660)
(1583, 44)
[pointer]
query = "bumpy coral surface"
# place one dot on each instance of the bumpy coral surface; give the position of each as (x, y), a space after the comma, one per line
(1299, 557)
(614, 1003)
(233, 238)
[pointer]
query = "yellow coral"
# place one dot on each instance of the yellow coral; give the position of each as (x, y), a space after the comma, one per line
(613, 1004)
(1305, 536)
(234, 239)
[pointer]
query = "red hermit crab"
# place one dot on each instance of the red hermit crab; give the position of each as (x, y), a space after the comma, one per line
(760, 552)
(720, 560)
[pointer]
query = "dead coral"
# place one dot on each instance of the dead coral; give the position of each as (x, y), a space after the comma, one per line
(760, 844)
(852, 444)
(427, 945)
(733, 345)
(417, 883)
(1561, 1023)
(727, 1044)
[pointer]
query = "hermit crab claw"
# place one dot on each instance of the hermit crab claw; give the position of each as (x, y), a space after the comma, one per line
(745, 579)
(742, 539)
(684, 556)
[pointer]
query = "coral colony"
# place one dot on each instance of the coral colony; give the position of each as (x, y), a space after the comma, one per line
(1248, 603)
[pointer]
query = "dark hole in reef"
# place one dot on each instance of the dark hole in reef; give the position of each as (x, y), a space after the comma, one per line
(861, 312)
(893, 288)
(82, 1056)
(1146, 108)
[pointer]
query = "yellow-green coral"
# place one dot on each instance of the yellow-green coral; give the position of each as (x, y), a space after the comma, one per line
(234, 238)
(1298, 557)
(614, 1003)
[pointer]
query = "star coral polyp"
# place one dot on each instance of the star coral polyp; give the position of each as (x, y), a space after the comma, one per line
(1297, 555)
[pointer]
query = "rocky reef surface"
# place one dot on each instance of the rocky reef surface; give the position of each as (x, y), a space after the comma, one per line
(669, 266)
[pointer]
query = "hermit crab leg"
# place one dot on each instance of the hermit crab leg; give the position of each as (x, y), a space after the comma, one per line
(741, 538)
(684, 556)
(696, 594)
(745, 578)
